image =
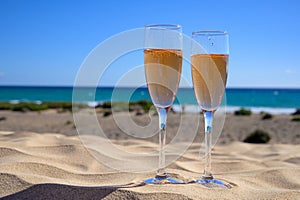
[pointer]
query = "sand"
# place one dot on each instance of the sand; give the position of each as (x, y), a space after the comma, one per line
(42, 157)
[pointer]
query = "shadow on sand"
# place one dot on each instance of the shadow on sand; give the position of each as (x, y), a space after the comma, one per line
(69, 192)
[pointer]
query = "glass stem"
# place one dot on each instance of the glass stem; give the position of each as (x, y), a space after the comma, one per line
(162, 114)
(208, 121)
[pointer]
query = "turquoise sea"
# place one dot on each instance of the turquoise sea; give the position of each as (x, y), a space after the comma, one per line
(280, 100)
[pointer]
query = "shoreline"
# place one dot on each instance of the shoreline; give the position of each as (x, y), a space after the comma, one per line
(234, 97)
(188, 108)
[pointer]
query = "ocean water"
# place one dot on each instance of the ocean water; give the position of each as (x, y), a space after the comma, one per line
(272, 100)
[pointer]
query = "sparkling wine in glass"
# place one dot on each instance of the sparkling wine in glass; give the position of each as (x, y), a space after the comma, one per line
(209, 60)
(162, 63)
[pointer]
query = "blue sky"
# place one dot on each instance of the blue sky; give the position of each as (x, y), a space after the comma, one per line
(44, 42)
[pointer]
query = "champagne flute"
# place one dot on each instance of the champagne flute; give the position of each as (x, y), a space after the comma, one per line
(210, 52)
(163, 63)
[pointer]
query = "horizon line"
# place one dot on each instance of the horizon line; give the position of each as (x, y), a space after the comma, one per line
(109, 86)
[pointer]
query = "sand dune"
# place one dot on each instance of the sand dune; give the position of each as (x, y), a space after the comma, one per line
(54, 166)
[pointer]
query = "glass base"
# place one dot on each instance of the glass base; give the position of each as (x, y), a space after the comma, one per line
(162, 180)
(212, 183)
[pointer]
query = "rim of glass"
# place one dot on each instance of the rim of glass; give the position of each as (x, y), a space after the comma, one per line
(164, 26)
(210, 32)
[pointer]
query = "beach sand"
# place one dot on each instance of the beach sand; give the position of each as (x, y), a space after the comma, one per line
(42, 157)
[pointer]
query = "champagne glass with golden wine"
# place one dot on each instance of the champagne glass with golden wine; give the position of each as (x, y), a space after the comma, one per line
(162, 64)
(209, 59)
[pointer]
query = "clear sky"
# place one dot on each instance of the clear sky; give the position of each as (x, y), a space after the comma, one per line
(44, 42)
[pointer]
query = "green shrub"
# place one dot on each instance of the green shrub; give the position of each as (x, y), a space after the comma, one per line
(258, 136)
(25, 106)
(243, 112)
(5, 106)
(29, 106)
(146, 105)
(266, 116)
(63, 106)
(296, 119)
(123, 106)
(106, 104)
